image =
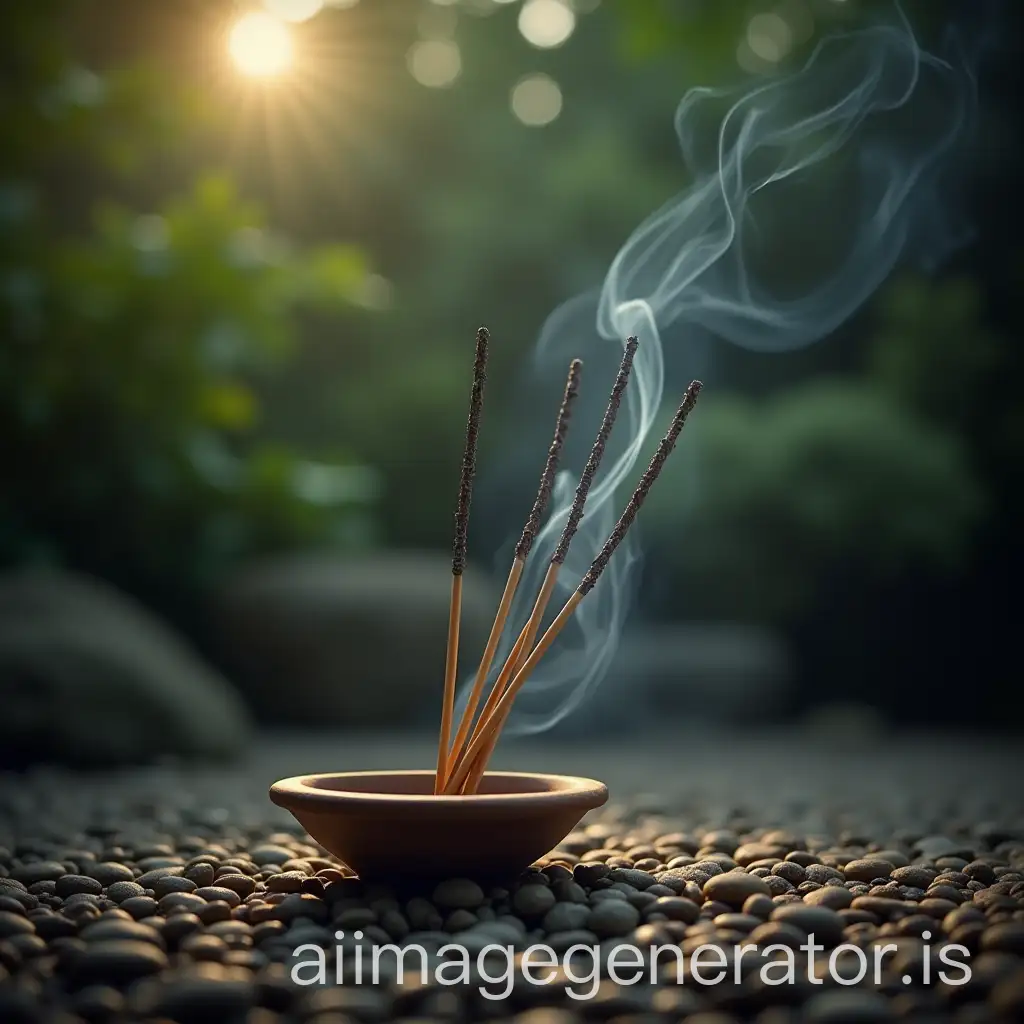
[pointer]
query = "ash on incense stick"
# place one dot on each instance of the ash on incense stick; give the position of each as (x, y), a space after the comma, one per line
(469, 456)
(540, 504)
(664, 449)
(596, 454)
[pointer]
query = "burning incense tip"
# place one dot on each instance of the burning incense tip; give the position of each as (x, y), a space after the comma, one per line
(469, 456)
(668, 442)
(596, 453)
(547, 480)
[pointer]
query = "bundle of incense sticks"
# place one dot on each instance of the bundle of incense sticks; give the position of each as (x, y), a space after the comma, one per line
(461, 764)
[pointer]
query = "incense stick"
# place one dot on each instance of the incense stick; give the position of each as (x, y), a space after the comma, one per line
(486, 739)
(459, 552)
(522, 551)
(529, 632)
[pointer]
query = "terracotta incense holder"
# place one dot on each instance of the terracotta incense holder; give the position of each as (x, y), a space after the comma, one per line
(460, 819)
(390, 825)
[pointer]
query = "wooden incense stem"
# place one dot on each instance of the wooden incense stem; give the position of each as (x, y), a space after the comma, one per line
(522, 551)
(529, 632)
(459, 553)
(485, 742)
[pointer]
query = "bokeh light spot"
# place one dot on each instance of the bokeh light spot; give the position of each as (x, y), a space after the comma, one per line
(536, 100)
(769, 37)
(435, 63)
(260, 45)
(438, 22)
(149, 233)
(294, 10)
(546, 23)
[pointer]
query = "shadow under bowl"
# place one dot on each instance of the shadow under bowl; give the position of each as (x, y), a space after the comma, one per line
(390, 826)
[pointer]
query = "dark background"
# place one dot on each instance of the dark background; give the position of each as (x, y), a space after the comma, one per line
(237, 319)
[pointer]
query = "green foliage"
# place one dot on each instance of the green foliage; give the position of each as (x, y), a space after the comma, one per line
(128, 382)
(777, 495)
(136, 345)
(931, 350)
(708, 34)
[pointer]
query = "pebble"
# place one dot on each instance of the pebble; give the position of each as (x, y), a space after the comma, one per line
(836, 897)
(1004, 937)
(203, 947)
(216, 942)
(677, 908)
(879, 905)
(14, 924)
(140, 906)
(749, 852)
(631, 876)
(121, 891)
(107, 873)
(147, 878)
(566, 917)
(176, 928)
(532, 901)
(74, 885)
(867, 869)
(101, 931)
(54, 926)
(202, 874)
(459, 921)
(759, 905)
(458, 894)
(205, 993)
(737, 922)
(186, 900)
(242, 885)
(298, 905)
(821, 922)
(823, 874)
(38, 871)
(778, 933)
(98, 1003)
(612, 918)
(286, 881)
(172, 883)
(918, 875)
(792, 873)
(561, 942)
(117, 962)
(735, 887)
(219, 893)
(500, 932)
(847, 1007)
(934, 847)
(269, 853)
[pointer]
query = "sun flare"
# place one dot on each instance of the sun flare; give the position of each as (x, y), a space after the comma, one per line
(260, 45)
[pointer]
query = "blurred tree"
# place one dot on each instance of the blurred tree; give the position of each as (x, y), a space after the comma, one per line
(133, 344)
(780, 495)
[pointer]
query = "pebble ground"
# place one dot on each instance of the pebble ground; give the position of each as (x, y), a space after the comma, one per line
(170, 895)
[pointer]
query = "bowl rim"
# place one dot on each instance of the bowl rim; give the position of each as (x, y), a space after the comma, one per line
(299, 790)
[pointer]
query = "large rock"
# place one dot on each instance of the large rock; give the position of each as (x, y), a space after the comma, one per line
(329, 641)
(87, 676)
(681, 673)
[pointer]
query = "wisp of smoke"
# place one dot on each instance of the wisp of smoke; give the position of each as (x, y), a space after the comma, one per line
(845, 155)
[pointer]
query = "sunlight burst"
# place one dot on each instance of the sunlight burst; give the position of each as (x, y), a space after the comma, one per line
(260, 45)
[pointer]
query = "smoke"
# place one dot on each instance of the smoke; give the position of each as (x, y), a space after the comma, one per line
(804, 194)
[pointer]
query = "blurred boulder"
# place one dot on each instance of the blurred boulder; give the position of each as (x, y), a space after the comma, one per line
(349, 641)
(681, 674)
(88, 677)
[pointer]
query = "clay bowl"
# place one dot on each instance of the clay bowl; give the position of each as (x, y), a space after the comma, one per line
(389, 825)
